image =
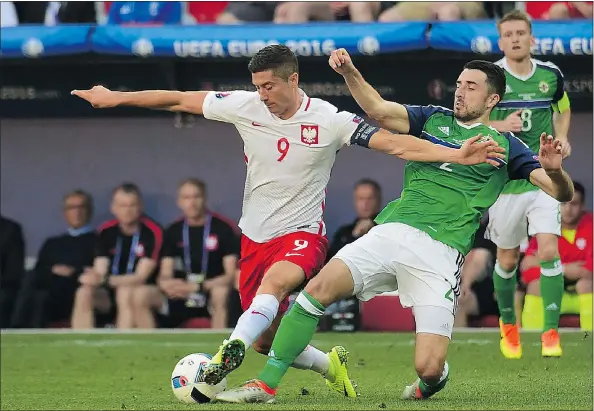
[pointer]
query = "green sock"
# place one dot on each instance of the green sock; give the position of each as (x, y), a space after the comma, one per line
(427, 390)
(295, 332)
(505, 287)
(551, 290)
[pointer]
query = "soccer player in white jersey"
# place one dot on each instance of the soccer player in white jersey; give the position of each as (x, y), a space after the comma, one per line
(290, 144)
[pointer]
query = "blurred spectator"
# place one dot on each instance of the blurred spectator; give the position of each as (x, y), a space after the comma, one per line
(477, 294)
(74, 12)
(200, 254)
(559, 10)
(12, 267)
(355, 11)
(434, 10)
(575, 250)
(31, 12)
(367, 198)
(127, 256)
(238, 12)
(206, 11)
(64, 258)
(145, 12)
(8, 14)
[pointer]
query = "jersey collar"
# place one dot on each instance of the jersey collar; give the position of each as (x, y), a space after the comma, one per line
(522, 78)
(305, 102)
(468, 127)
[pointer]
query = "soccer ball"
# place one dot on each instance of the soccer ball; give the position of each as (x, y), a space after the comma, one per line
(185, 380)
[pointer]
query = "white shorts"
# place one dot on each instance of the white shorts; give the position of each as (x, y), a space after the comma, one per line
(425, 272)
(514, 217)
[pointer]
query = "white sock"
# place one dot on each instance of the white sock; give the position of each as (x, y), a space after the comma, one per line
(256, 319)
(312, 359)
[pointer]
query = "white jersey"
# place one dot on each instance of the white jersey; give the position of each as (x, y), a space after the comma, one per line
(288, 161)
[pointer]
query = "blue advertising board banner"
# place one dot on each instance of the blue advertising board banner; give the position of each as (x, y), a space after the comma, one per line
(551, 37)
(313, 39)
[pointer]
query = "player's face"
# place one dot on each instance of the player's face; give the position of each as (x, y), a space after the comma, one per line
(126, 207)
(472, 98)
(572, 211)
(366, 201)
(191, 201)
(75, 211)
(515, 39)
(276, 93)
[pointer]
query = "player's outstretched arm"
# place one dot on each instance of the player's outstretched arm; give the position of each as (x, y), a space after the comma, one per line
(389, 114)
(551, 178)
(412, 148)
(183, 101)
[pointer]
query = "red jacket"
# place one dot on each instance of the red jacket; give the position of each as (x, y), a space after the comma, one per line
(579, 250)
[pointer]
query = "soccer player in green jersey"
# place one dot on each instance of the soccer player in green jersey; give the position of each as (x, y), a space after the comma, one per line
(419, 244)
(534, 102)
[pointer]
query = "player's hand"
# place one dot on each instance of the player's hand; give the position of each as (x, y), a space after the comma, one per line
(550, 154)
(513, 122)
(115, 281)
(477, 150)
(98, 96)
(362, 227)
(565, 147)
(341, 62)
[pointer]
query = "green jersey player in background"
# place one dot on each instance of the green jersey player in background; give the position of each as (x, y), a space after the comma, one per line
(535, 102)
(419, 244)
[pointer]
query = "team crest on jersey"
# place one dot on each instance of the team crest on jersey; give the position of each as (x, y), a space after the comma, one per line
(580, 243)
(222, 95)
(543, 86)
(139, 251)
(508, 89)
(309, 134)
(212, 242)
(445, 130)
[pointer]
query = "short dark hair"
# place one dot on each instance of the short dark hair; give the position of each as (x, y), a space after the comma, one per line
(87, 198)
(372, 183)
(495, 75)
(128, 188)
(277, 58)
(515, 15)
(196, 182)
(579, 188)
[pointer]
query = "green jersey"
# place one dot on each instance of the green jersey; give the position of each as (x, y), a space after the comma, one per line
(445, 200)
(537, 95)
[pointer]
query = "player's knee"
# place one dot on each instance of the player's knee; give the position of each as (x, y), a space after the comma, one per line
(508, 259)
(533, 288)
(584, 285)
(320, 289)
(547, 247)
(430, 368)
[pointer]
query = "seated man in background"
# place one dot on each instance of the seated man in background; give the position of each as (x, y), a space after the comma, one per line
(63, 258)
(575, 249)
(559, 10)
(434, 10)
(367, 201)
(477, 294)
(355, 11)
(12, 267)
(238, 12)
(145, 12)
(198, 265)
(127, 256)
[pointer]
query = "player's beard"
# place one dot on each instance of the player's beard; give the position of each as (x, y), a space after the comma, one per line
(469, 115)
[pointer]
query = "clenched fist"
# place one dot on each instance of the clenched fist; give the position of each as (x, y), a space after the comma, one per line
(341, 62)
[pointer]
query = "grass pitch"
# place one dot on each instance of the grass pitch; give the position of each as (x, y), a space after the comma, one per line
(130, 371)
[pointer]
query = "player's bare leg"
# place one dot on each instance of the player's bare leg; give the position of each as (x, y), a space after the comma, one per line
(551, 291)
(504, 280)
(430, 363)
(333, 283)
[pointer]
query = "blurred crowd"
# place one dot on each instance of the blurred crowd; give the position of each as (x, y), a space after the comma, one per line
(129, 272)
(238, 12)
